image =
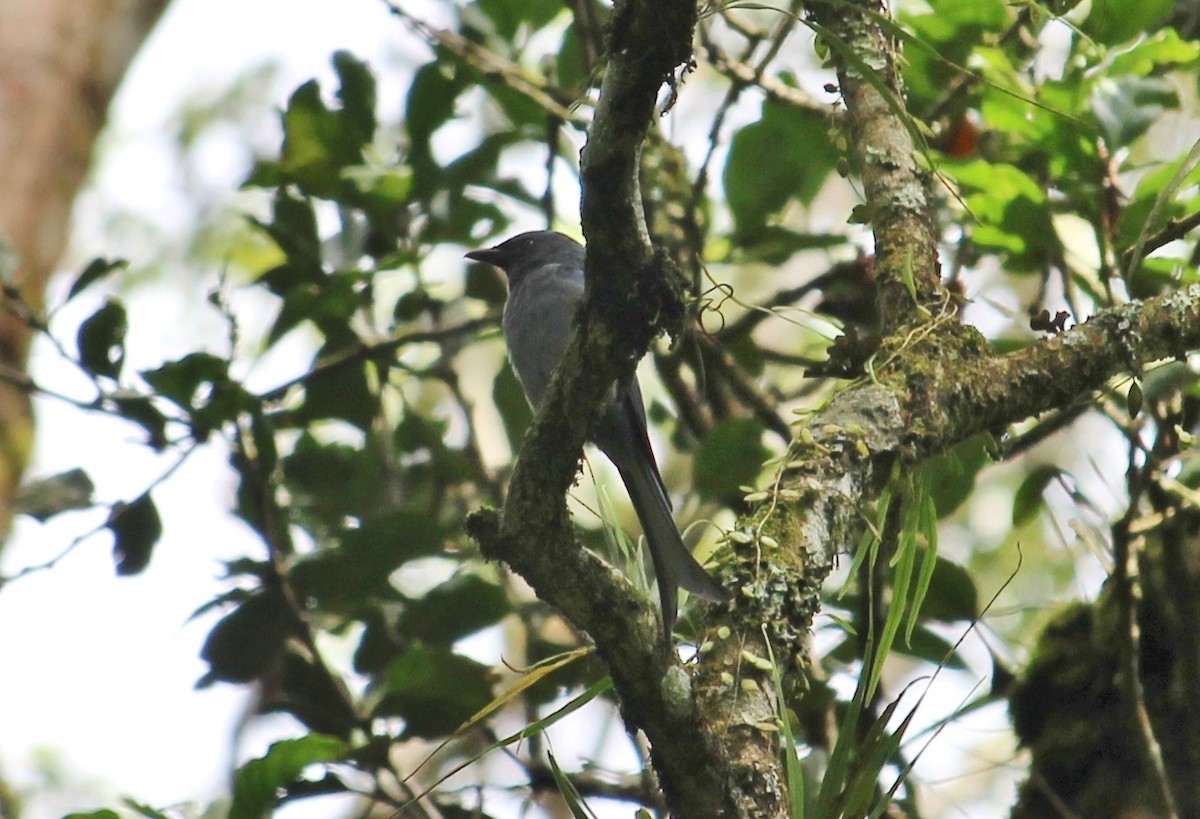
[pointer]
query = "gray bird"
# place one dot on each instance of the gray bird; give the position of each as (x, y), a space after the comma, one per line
(545, 284)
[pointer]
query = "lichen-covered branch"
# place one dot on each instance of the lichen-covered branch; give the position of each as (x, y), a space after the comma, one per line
(629, 298)
(885, 151)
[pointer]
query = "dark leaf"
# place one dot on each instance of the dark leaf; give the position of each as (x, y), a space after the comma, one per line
(96, 270)
(329, 303)
(1028, 500)
(1114, 22)
(260, 783)
(507, 17)
(357, 569)
(415, 432)
(458, 607)
(512, 405)
(729, 457)
(434, 691)
(101, 340)
(357, 96)
(952, 595)
(45, 498)
(379, 646)
(294, 228)
(247, 641)
(342, 392)
(775, 245)
(786, 154)
(1133, 400)
(485, 284)
(334, 480)
(199, 383)
(140, 410)
(952, 474)
(180, 380)
(310, 694)
(136, 528)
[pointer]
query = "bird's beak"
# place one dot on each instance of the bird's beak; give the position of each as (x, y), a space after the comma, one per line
(488, 255)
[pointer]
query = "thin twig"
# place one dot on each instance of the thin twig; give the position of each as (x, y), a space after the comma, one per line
(1127, 591)
(546, 95)
(376, 351)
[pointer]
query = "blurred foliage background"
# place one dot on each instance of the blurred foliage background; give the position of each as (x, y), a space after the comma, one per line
(409, 667)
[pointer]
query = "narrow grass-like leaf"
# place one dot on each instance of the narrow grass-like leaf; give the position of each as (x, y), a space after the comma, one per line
(791, 760)
(594, 690)
(532, 676)
(928, 528)
(868, 544)
(840, 758)
(905, 561)
(567, 789)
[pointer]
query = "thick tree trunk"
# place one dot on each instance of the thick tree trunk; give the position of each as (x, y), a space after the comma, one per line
(60, 63)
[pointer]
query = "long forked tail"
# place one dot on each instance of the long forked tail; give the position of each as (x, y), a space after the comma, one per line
(674, 564)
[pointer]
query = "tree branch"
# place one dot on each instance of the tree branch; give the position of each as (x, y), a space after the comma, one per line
(629, 298)
(885, 145)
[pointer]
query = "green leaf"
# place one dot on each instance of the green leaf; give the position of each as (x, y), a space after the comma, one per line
(96, 270)
(729, 457)
(1028, 499)
(1012, 209)
(136, 528)
(180, 381)
(342, 577)
(434, 691)
(143, 809)
(786, 155)
(952, 474)
(101, 340)
(567, 790)
(320, 143)
(260, 783)
(357, 96)
(1126, 107)
(1162, 48)
(1118, 21)
(952, 593)
(485, 284)
(431, 99)
(140, 410)
(293, 227)
(383, 190)
(569, 63)
(199, 383)
(513, 407)
(248, 640)
(47, 497)
(343, 392)
(461, 606)
(507, 16)
(335, 480)
(103, 813)
(308, 692)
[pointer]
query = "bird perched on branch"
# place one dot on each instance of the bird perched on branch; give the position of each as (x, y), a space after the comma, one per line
(545, 285)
